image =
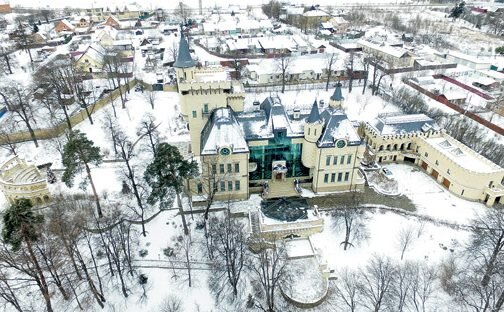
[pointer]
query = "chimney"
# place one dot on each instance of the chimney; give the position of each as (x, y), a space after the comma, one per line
(297, 113)
(257, 106)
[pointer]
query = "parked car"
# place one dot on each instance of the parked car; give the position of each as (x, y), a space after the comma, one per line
(387, 172)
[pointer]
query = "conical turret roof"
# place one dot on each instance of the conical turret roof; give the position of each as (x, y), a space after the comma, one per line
(184, 59)
(337, 95)
(314, 114)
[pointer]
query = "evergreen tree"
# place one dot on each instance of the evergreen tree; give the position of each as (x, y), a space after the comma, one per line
(20, 226)
(458, 10)
(166, 174)
(51, 178)
(78, 153)
(35, 28)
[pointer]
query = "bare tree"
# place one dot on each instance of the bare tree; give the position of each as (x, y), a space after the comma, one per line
(282, 62)
(330, 62)
(487, 246)
(423, 285)
(126, 152)
(17, 100)
(6, 58)
(378, 277)
(171, 304)
(347, 290)
(352, 220)
(148, 128)
(350, 69)
(185, 244)
(7, 128)
(231, 250)
(269, 269)
(150, 96)
(406, 238)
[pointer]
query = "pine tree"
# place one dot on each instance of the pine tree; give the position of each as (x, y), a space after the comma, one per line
(78, 153)
(20, 226)
(35, 28)
(167, 173)
(51, 178)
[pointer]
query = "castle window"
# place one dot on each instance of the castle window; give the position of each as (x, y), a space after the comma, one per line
(426, 154)
(335, 162)
(230, 185)
(347, 174)
(448, 171)
(214, 168)
(315, 133)
(340, 176)
(333, 177)
(309, 131)
(437, 163)
(326, 178)
(229, 168)
(328, 161)
(237, 185)
(221, 168)
(342, 159)
(205, 108)
(223, 186)
(200, 188)
(194, 114)
(237, 167)
(349, 159)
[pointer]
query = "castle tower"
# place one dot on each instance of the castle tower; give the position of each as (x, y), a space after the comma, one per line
(184, 65)
(336, 100)
(312, 132)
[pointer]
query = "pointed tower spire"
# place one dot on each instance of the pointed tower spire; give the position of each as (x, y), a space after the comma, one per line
(184, 59)
(337, 95)
(314, 114)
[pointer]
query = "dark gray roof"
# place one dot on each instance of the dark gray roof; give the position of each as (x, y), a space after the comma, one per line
(314, 114)
(337, 126)
(389, 124)
(337, 95)
(184, 59)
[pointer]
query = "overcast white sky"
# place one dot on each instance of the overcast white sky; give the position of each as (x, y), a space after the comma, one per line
(169, 4)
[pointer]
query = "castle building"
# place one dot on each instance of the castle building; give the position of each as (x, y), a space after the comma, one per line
(239, 150)
(19, 179)
(417, 139)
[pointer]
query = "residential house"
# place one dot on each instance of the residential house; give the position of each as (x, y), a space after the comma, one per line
(112, 21)
(106, 36)
(64, 26)
(339, 24)
(5, 8)
(92, 60)
(393, 56)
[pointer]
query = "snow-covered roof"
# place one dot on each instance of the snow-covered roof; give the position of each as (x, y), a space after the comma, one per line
(455, 95)
(461, 154)
(337, 127)
(294, 10)
(390, 124)
(493, 74)
(326, 25)
(315, 13)
(338, 20)
(67, 24)
(393, 51)
(222, 130)
(470, 58)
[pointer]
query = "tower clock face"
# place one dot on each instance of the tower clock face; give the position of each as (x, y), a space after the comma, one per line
(340, 144)
(225, 151)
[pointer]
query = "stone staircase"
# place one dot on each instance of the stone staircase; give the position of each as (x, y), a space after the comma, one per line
(281, 189)
(254, 221)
